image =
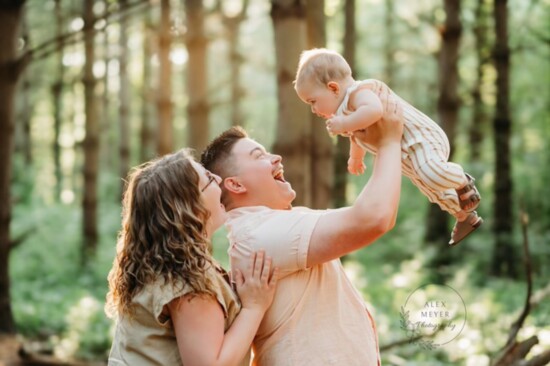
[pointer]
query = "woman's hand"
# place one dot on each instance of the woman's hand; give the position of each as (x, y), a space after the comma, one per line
(256, 287)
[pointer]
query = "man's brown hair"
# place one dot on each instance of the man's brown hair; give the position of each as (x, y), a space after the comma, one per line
(217, 155)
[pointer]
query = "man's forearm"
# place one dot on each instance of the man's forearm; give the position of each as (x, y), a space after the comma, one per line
(382, 192)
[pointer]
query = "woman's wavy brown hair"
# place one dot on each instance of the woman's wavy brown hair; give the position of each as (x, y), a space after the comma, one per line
(163, 232)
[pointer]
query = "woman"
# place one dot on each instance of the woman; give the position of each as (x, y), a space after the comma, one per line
(170, 298)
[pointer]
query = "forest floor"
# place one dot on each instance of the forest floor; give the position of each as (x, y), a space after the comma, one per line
(14, 352)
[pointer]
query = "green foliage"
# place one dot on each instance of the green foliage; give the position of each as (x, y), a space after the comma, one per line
(389, 270)
(53, 299)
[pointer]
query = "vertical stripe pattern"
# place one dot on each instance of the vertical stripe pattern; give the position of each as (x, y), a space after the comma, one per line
(424, 150)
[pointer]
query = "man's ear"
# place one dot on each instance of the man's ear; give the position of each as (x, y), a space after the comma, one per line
(233, 185)
(334, 87)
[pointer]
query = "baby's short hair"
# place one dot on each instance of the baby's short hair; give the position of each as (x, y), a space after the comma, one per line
(321, 65)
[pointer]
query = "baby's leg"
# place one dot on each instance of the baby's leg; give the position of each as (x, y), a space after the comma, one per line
(437, 178)
(466, 222)
(446, 199)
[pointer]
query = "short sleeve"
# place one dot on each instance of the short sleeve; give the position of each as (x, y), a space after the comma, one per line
(283, 234)
(156, 296)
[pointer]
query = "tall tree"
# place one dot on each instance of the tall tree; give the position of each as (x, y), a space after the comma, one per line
(23, 141)
(198, 108)
(123, 99)
(57, 95)
(147, 133)
(108, 138)
(293, 138)
(322, 151)
(447, 109)
(390, 42)
(165, 138)
(342, 145)
(11, 67)
(232, 25)
(483, 53)
(504, 256)
(91, 141)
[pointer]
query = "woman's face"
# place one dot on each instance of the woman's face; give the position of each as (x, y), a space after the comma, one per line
(209, 185)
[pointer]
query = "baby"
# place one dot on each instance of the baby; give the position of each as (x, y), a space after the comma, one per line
(324, 81)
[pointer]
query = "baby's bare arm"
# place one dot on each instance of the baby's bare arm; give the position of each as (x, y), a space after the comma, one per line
(355, 151)
(356, 165)
(368, 109)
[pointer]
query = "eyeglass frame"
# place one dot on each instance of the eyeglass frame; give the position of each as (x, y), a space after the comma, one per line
(211, 178)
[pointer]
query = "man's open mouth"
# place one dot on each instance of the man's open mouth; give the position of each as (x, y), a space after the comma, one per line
(279, 175)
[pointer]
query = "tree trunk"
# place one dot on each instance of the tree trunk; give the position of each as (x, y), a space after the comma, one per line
(322, 151)
(57, 94)
(437, 230)
(165, 137)
(124, 100)
(198, 108)
(293, 137)
(479, 118)
(504, 256)
(10, 70)
(23, 142)
(147, 133)
(232, 24)
(390, 40)
(108, 137)
(91, 141)
(342, 145)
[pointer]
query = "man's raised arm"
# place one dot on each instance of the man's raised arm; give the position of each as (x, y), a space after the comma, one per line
(374, 211)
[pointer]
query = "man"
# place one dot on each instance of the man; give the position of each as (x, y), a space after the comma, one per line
(317, 317)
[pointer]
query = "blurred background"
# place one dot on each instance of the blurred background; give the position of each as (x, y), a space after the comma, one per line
(90, 88)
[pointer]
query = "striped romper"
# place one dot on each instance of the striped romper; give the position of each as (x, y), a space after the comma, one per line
(424, 151)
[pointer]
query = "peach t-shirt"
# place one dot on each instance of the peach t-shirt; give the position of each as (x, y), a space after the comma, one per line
(317, 317)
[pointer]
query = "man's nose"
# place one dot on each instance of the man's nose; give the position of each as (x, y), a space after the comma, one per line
(276, 159)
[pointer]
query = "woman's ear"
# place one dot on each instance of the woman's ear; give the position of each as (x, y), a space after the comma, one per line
(233, 185)
(334, 87)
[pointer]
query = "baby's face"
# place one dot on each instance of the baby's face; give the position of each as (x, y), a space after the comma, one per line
(323, 99)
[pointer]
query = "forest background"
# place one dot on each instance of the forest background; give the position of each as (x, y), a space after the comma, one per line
(90, 88)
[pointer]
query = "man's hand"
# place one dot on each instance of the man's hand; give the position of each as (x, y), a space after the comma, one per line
(388, 129)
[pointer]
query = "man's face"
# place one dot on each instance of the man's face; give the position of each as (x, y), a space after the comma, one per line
(261, 175)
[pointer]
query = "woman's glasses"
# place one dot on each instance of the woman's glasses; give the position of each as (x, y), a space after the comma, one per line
(211, 178)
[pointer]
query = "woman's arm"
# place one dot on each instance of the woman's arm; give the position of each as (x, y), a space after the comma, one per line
(199, 321)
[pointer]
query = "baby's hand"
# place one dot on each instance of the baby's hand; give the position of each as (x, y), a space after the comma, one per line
(356, 166)
(335, 125)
